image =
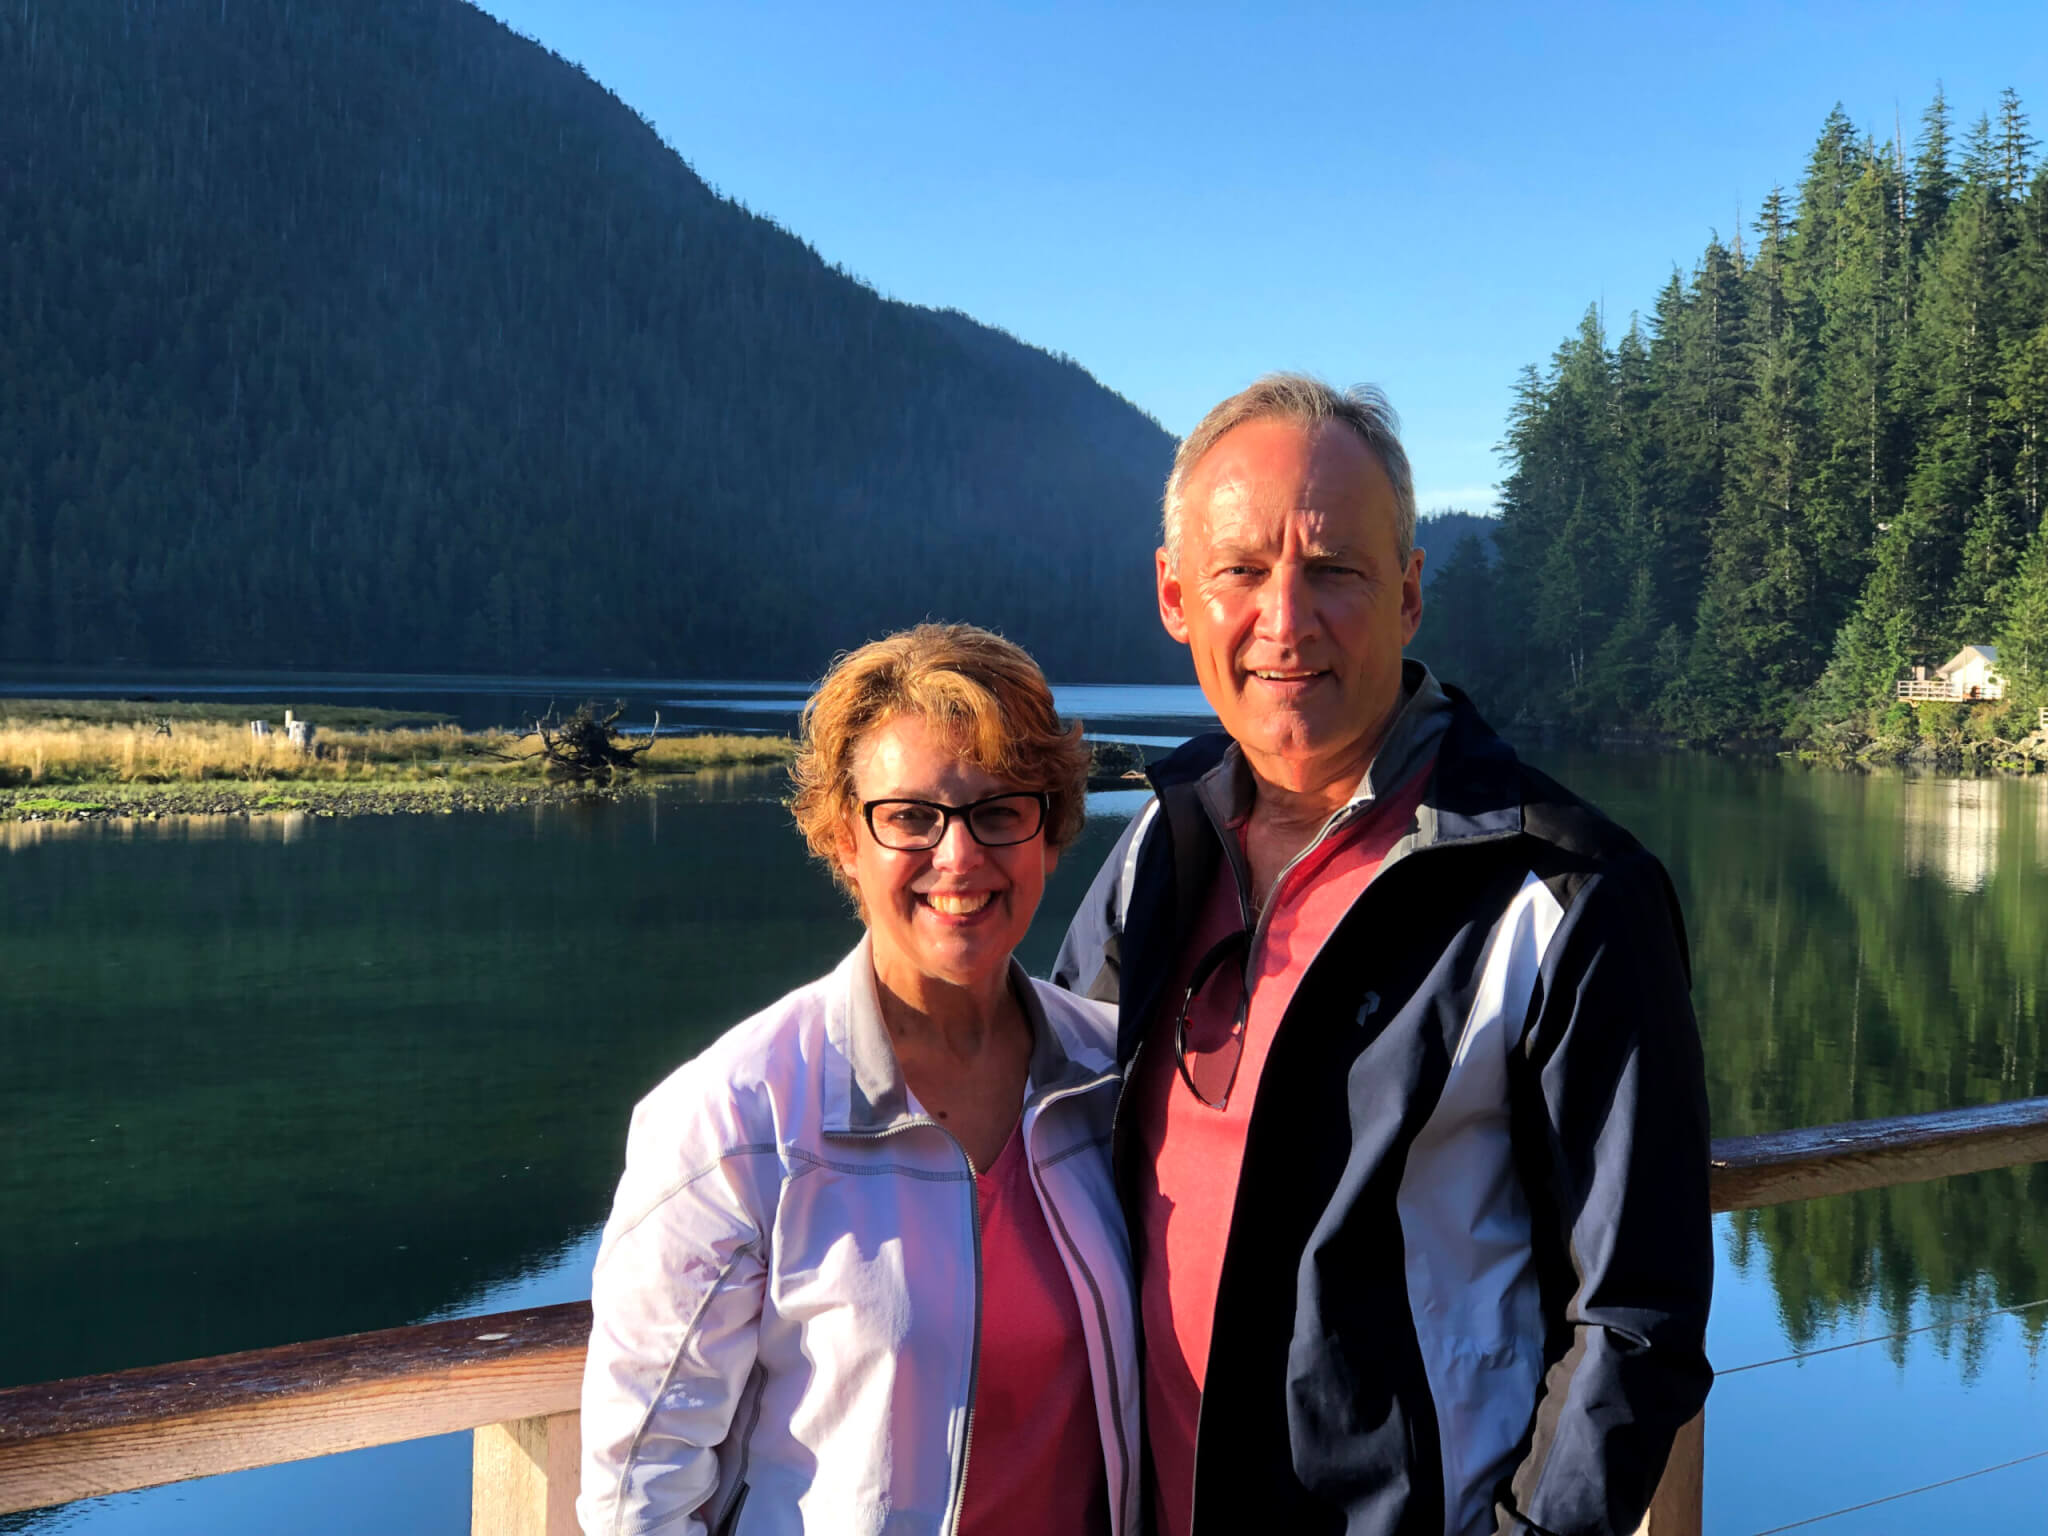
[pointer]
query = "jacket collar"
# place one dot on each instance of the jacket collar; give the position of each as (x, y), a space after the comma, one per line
(1418, 725)
(865, 1093)
(1475, 791)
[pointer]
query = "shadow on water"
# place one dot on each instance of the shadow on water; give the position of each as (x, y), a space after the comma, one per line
(275, 1079)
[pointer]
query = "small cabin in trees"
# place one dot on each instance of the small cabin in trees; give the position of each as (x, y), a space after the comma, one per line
(1972, 673)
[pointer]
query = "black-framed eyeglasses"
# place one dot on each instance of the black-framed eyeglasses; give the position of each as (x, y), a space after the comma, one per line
(1209, 1067)
(996, 821)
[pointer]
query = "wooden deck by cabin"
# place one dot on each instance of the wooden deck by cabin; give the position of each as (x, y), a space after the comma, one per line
(514, 1377)
(1969, 675)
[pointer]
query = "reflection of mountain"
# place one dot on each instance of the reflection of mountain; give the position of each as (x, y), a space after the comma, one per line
(1951, 829)
(250, 1093)
(254, 1090)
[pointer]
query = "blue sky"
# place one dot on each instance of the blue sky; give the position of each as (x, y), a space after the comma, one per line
(1184, 196)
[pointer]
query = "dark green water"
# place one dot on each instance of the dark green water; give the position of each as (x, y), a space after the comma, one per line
(273, 1080)
(1862, 946)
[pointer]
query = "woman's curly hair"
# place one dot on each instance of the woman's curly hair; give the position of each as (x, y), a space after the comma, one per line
(975, 690)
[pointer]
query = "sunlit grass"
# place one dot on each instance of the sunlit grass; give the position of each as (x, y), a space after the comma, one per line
(45, 749)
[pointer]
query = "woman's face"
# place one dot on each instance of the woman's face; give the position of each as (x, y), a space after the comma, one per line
(952, 913)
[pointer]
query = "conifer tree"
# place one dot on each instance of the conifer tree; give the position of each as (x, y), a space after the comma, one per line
(1835, 454)
(1700, 381)
(1762, 581)
(21, 619)
(2023, 637)
(1934, 177)
(2015, 145)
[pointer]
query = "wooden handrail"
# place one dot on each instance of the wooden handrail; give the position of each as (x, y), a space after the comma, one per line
(96, 1435)
(1754, 1171)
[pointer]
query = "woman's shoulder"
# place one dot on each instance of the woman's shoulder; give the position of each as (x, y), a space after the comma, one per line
(1086, 1027)
(748, 1083)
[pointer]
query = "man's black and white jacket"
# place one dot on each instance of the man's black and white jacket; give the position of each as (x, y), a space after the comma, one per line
(1466, 1283)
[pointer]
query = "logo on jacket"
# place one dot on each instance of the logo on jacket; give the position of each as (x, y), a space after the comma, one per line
(1369, 1007)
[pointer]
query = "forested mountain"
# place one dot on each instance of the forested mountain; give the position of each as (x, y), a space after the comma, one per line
(1821, 460)
(1441, 533)
(366, 333)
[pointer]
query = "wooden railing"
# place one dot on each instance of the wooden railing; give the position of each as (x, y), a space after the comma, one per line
(514, 1377)
(1938, 688)
(1925, 688)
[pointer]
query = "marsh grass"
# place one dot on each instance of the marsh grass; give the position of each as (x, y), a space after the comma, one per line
(53, 750)
(53, 805)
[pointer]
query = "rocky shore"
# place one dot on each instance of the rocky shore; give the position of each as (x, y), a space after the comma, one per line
(1116, 765)
(430, 797)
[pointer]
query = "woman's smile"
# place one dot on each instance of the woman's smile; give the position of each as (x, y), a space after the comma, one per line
(953, 912)
(958, 904)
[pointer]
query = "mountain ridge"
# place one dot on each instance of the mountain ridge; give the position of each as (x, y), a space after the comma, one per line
(375, 336)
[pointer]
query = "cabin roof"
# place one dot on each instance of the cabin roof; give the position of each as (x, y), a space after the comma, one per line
(1965, 656)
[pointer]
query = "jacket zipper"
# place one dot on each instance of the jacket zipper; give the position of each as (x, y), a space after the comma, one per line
(959, 1499)
(1081, 1263)
(1241, 874)
(959, 1496)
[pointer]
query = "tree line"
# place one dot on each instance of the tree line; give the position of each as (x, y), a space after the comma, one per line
(1818, 462)
(367, 334)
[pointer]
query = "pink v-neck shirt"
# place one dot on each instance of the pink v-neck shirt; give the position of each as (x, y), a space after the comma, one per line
(1193, 1153)
(1035, 1463)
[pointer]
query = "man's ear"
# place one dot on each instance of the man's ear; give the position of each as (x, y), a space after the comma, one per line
(1411, 597)
(1172, 613)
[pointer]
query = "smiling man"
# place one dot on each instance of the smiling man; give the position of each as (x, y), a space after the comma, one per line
(1414, 1140)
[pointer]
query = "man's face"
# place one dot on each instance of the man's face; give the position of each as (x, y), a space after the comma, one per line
(1291, 597)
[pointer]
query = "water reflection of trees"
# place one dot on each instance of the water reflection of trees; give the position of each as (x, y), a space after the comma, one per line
(1868, 946)
(1951, 829)
(253, 1094)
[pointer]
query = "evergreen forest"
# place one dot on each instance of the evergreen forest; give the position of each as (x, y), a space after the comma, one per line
(368, 334)
(1819, 462)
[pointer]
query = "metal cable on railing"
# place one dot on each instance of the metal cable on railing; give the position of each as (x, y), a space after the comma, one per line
(1885, 1338)
(1907, 1493)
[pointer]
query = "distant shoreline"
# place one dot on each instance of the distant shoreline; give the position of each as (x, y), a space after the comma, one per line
(68, 760)
(144, 760)
(266, 797)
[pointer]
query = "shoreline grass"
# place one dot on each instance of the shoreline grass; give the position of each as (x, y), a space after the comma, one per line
(43, 752)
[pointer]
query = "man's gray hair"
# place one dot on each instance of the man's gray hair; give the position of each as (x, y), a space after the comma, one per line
(1308, 402)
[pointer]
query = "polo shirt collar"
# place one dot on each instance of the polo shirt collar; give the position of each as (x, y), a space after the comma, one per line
(1418, 728)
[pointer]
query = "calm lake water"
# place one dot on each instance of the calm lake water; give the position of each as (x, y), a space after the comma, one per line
(267, 1080)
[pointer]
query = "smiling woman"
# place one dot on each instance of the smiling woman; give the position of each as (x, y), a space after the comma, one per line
(875, 1224)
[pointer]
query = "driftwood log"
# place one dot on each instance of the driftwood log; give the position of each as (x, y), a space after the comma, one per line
(585, 745)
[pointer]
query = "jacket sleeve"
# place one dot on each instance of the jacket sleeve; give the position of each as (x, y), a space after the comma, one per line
(1090, 958)
(1612, 1125)
(676, 1307)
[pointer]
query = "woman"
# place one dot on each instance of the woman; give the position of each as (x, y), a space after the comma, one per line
(866, 1270)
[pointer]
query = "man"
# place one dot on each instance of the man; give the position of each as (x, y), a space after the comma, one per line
(1414, 1137)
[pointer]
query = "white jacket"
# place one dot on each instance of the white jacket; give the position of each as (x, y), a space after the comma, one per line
(787, 1298)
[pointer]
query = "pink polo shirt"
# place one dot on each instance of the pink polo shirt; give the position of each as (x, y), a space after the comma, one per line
(1194, 1152)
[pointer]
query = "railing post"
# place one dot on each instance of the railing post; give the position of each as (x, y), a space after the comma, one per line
(1679, 1506)
(523, 1477)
